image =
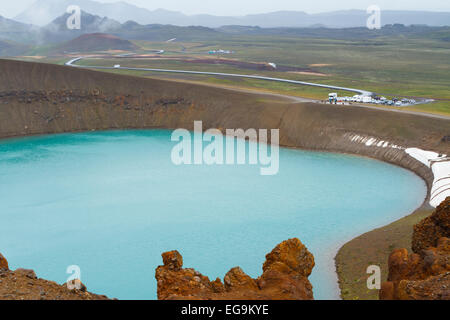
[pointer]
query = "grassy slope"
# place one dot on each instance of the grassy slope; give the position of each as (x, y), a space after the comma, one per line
(389, 66)
(373, 248)
(261, 85)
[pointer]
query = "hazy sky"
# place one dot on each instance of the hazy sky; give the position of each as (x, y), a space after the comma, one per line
(242, 7)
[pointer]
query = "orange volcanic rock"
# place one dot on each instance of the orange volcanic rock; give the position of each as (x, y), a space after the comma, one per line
(236, 279)
(403, 265)
(75, 285)
(419, 277)
(431, 229)
(173, 260)
(285, 277)
(3, 262)
(23, 284)
(425, 274)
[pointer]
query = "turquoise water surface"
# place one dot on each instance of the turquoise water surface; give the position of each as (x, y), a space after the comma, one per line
(112, 202)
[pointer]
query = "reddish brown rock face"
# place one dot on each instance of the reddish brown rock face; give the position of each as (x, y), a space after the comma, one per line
(403, 265)
(431, 229)
(285, 277)
(23, 284)
(425, 274)
(173, 260)
(3, 262)
(236, 279)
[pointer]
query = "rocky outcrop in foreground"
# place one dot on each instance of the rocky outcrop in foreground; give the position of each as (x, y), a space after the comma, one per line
(23, 284)
(285, 277)
(428, 232)
(424, 274)
(3, 262)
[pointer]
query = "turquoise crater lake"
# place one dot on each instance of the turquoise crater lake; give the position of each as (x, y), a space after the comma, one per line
(112, 202)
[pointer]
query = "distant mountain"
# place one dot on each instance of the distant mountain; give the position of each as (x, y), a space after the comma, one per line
(158, 32)
(16, 31)
(89, 23)
(358, 18)
(8, 25)
(9, 48)
(96, 42)
(337, 19)
(357, 34)
(44, 11)
(57, 30)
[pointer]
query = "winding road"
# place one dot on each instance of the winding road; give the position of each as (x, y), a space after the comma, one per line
(71, 63)
(234, 75)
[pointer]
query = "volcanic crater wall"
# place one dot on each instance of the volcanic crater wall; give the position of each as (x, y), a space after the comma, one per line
(41, 98)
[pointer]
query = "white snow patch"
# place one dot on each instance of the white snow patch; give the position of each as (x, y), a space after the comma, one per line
(370, 142)
(373, 142)
(440, 165)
